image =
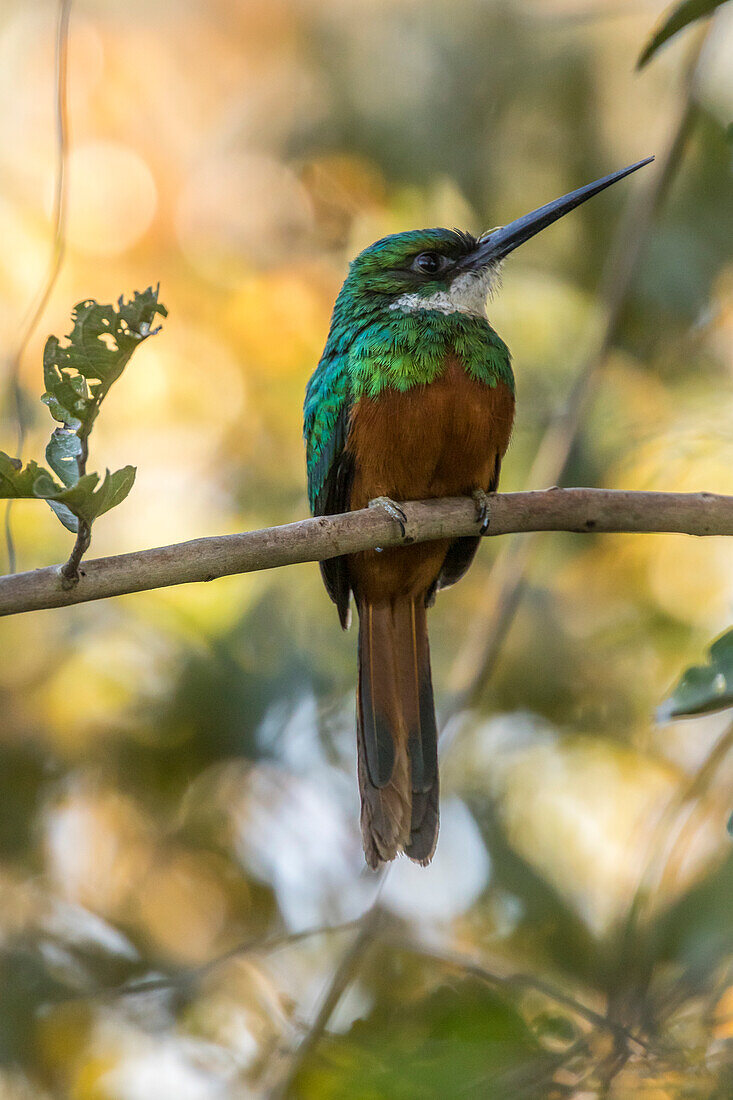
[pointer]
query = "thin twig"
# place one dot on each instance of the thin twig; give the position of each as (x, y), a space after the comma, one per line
(667, 839)
(58, 247)
(675, 822)
(369, 930)
(579, 510)
(70, 575)
(513, 980)
(341, 979)
(187, 978)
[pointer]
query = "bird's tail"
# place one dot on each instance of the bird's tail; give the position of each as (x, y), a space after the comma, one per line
(396, 731)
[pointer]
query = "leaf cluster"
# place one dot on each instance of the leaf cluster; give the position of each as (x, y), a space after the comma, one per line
(78, 376)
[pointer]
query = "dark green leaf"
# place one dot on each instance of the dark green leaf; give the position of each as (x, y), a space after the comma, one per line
(17, 481)
(460, 1039)
(704, 688)
(114, 489)
(689, 11)
(27, 982)
(84, 501)
(79, 375)
(553, 1026)
(81, 500)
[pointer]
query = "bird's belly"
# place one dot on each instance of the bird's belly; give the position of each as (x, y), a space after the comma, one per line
(439, 440)
(430, 441)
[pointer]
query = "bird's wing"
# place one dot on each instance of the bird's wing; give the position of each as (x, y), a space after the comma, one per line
(330, 469)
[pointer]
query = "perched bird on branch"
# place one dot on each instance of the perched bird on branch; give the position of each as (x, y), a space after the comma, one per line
(413, 398)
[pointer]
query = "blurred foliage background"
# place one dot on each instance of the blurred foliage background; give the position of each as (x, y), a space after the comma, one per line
(180, 864)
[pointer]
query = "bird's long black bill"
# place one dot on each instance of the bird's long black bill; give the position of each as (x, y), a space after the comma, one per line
(499, 243)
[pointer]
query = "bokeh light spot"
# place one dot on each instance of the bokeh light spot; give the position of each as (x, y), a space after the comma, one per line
(112, 198)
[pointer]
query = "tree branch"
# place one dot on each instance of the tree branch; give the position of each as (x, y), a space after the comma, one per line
(579, 510)
(340, 981)
(187, 978)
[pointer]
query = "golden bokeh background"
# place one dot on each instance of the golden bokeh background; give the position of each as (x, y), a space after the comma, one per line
(177, 767)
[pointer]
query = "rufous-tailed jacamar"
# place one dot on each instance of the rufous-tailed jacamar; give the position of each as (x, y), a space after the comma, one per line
(413, 398)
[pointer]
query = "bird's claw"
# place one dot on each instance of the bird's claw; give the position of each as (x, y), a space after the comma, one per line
(392, 509)
(483, 509)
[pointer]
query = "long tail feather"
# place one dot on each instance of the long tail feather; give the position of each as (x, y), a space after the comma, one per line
(425, 813)
(397, 735)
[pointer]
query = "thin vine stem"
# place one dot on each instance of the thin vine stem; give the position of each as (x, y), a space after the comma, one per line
(58, 248)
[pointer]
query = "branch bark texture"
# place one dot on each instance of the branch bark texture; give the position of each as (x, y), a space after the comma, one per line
(580, 510)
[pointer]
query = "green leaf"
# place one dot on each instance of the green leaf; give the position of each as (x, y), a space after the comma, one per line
(85, 501)
(555, 1027)
(62, 454)
(460, 1039)
(114, 489)
(689, 11)
(17, 481)
(703, 688)
(79, 375)
(64, 514)
(80, 500)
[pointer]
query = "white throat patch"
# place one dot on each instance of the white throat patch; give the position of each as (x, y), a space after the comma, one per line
(466, 294)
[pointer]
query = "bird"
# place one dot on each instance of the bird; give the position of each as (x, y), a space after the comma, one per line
(412, 399)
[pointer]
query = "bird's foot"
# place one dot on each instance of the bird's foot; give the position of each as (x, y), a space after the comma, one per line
(482, 502)
(392, 509)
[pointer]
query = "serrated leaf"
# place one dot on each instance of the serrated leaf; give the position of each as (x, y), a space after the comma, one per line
(85, 501)
(18, 481)
(32, 482)
(79, 375)
(114, 489)
(81, 500)
(62, 454)
(689, 11)
(703, 688)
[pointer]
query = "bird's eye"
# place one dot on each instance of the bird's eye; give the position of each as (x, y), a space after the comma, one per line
(429, 263)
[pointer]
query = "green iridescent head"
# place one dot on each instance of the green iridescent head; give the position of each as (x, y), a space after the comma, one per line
(422, 261)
